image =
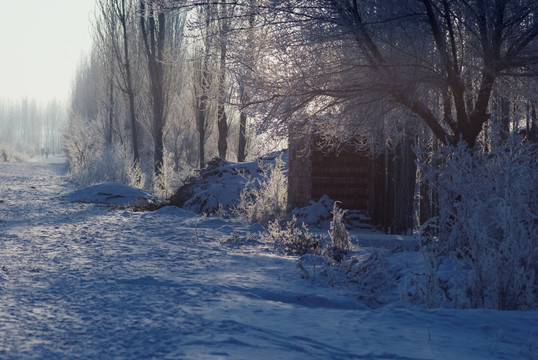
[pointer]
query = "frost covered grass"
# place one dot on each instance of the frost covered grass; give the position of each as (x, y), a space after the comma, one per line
(293, 238)
(264, 197)
(97, 163)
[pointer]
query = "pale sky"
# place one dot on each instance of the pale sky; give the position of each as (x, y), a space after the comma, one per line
(42, 42)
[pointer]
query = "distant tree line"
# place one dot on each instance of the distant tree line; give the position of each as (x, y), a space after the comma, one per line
(28, 128)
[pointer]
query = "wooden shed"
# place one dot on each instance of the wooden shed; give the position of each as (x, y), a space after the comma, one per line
(313, 172)
(381, 187)
(343, 175)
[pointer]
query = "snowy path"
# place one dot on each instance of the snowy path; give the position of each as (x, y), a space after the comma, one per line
(82, 281)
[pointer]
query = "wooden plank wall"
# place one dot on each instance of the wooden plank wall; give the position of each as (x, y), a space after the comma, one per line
(382, 188)
(343, 176)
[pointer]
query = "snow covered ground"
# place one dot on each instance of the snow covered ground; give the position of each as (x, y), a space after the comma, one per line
(85, 280)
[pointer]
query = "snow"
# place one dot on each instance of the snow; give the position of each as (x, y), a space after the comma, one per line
(316, 213)
(111, 193)
(221, 183)
(81, 280)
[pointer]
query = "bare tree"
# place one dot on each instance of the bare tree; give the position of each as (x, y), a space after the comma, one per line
(243, 117)
(202, 79)
(153, 30)
(113, 36)
(204, 74)
(223, 19)
(246, 69)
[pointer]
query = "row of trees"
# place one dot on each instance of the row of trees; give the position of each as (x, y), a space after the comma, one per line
(164, 73)
(157, 95)
(29, 128)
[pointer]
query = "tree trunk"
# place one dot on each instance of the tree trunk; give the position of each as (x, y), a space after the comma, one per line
(201, 120)
(132, 112)
(134, 132)
(129, 84)
(153, 34)
(534, 126)
(201, 150)
(504, 118)
(242, 147)
(110, 124)
(222, 120)
(223, 131)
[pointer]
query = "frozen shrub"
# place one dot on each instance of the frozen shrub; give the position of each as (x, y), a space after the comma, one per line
(264, 198)
(370, 274)
(293, 239)
(338, 233)
(340, 239)
(170, 177)
(432, 289)
(93, 162)
(488, 221)
(136, 176)
(9, 154)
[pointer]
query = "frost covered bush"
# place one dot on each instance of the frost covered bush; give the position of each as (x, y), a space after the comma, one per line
(293, 239)
(265, 197)
(100, 164)
(338, 233)
(487, 223)
(340, 239)
(10, 153)
(92, 161)
(370, 275)
(170, 178)
(366, 271)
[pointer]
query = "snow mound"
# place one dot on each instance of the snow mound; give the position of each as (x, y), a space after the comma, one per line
(317, 213)
(112, 193)
(220, 183)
